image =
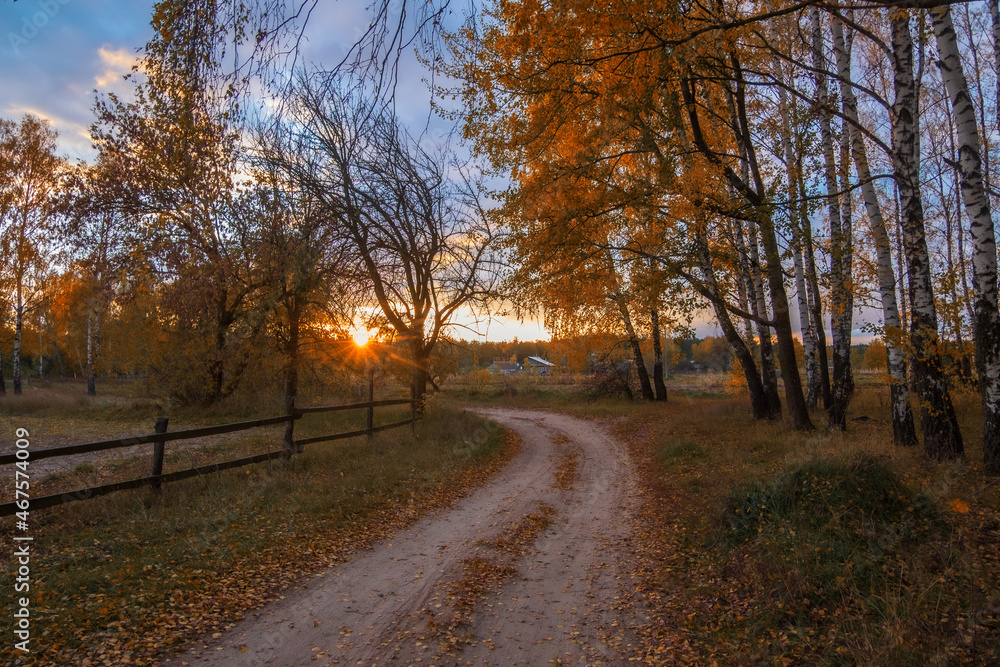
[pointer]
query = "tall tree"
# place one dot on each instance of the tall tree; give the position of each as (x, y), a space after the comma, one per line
(903, 429)
(28, 191)
(421, 236)
(839, 260)
(101, 239)
(942, 438)
(543, 103)
(986, 329)
(173, 150)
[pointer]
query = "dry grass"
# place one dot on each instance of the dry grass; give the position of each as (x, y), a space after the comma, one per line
(124, 578)
(848, 550)
(884, 558)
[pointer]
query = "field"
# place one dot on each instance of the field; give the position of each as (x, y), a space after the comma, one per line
(124, 578)
(755, 544)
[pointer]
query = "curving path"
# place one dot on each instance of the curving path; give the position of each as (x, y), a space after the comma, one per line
(385, 606)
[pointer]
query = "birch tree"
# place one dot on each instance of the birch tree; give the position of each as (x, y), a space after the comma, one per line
(28, 192)
(173, 150)
(942, 438)
(839, 259)
(903, 430)
(986, 329)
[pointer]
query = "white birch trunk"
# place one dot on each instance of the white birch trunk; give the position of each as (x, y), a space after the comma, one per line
(942, 438)
(984, 253)
(903, 429)
(813, 380)
(840, 387)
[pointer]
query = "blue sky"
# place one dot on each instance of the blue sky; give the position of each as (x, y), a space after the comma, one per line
(54, 55)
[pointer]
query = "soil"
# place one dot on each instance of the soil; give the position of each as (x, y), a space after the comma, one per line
(399, 603)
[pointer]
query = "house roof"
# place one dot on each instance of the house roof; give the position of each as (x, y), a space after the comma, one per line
(539, 360)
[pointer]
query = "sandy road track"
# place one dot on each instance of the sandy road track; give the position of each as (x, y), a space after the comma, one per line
(385, 606)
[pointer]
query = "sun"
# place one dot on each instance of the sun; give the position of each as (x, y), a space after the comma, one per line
(361, 337)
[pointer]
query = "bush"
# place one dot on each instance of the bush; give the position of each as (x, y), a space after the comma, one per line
(839, 524)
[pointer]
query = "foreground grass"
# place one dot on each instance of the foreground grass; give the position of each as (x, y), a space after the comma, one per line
(132, 576)
(762, 545)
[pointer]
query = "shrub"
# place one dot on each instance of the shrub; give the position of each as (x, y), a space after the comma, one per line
(838, 524)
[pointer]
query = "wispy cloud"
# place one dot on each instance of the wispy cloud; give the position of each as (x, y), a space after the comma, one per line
(115, 63)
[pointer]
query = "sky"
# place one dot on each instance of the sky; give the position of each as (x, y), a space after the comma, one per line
(57, 55)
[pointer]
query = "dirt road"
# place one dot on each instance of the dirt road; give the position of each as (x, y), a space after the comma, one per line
(416, 599)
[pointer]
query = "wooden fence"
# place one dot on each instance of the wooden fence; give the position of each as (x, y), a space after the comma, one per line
(160, 437)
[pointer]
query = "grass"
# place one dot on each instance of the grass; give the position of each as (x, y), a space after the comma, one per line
(755, 544)
(124, 578)
(763, 545)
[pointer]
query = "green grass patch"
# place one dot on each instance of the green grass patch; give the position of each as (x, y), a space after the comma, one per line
(672, 451)
(841, 524)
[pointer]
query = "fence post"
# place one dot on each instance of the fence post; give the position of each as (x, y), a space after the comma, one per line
(158, 447)
(288, 444)
(370, 422)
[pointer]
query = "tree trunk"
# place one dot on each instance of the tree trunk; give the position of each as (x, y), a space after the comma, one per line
(942, 438)
(783, 330)
(18, 325)
(758, 306)
(3, 382)
(792, 177)
(984, 252)
(903, 428)
(418, 374)
(59, 362)
(91, 383)
(292, 374)
(633, 339)
(217, 369)
(658, 383)
(756, 196)
(758, 399)
(994, 6)
(838, 288)
(847, 248)
(812, 288)
(813, 381)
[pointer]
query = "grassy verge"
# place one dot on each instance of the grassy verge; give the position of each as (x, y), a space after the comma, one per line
(125, 578)
(762, 545)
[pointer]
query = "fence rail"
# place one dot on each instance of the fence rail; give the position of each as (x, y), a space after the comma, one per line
(159, 438)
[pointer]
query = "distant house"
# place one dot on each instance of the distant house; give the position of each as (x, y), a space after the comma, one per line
(538, 366)
(504, 368)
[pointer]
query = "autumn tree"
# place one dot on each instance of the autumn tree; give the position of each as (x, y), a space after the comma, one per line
(172, 150)
(942, 438)
(101, 240)
(28, 188)
(306, 272)
(984, 254)
(419, 232)
(615, 111)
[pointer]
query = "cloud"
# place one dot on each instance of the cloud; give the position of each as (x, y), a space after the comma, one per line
(116, 63)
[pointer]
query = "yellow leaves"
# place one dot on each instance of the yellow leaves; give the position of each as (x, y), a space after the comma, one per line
(958, 506)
